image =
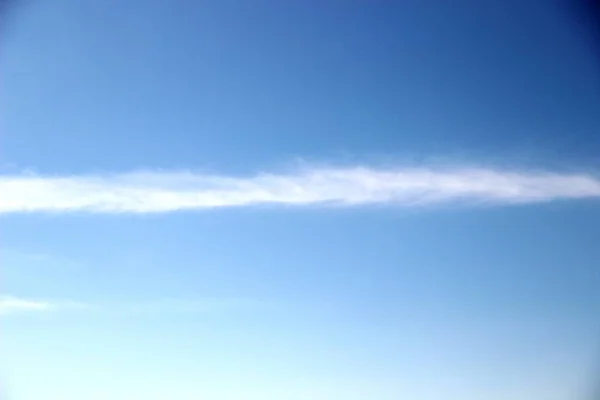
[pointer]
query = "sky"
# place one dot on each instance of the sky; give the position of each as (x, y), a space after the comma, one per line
(268, 200)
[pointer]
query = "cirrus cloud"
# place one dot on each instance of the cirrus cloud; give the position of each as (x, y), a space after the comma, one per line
(159, 192)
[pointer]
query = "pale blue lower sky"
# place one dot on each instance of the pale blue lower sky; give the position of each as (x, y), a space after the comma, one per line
(412, 311)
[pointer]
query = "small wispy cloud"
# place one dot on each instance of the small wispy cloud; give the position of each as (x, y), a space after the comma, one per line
(11, 305)
(159, 192)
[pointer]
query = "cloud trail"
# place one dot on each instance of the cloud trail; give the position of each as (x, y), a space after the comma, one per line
(160, 192)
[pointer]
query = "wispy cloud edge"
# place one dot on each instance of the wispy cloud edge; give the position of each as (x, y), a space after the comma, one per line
(159, 192)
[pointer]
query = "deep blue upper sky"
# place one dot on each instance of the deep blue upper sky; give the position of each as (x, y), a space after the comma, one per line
(239, 86)
(353, 303)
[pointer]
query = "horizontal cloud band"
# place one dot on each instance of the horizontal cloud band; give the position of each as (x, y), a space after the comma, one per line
(155, 192)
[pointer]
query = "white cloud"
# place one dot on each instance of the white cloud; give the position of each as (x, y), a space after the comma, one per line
(155, 192)
(10, 305)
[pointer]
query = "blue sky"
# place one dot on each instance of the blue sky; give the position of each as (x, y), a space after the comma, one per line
(235, 200)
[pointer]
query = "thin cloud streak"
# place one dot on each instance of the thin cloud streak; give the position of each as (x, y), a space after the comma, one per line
(160, 192)
(17, 305)
(11, 305)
